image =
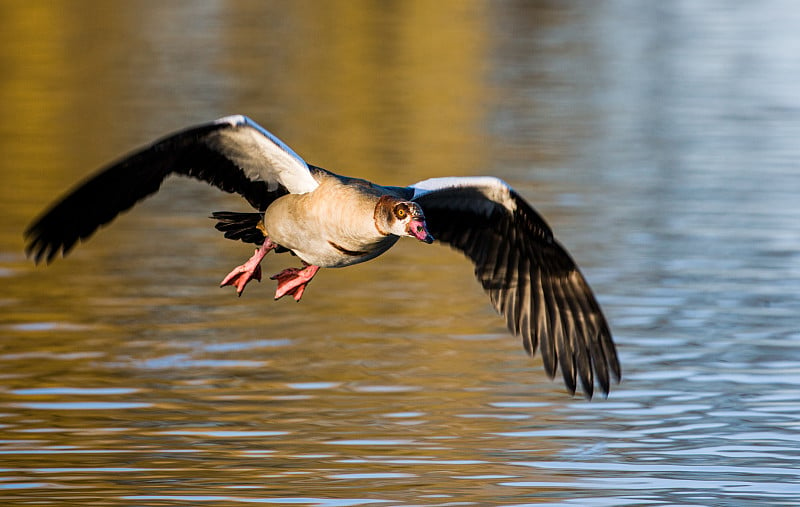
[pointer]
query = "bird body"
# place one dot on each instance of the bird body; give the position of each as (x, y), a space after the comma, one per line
(344, 212)
(328, 220)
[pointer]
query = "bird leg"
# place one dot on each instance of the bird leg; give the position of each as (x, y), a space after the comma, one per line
(294, 281)
(241, 275)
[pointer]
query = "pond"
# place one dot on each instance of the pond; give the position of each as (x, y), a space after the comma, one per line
(659, 140)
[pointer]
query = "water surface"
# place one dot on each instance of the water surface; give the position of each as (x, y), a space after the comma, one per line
(659, 140)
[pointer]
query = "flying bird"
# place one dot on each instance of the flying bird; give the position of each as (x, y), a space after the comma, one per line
(333, 221)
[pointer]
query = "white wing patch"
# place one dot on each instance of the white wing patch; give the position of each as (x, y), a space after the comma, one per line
(262, 155)
(492, 188)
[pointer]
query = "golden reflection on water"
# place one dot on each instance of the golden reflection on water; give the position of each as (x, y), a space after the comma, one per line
(395, 102)
(127, 357)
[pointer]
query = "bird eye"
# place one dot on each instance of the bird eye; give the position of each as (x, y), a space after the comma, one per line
(401, 213)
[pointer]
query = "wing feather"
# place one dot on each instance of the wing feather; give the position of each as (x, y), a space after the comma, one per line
(233, 154)
(530, 278)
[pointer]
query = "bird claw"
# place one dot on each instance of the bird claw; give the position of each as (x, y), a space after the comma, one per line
(293, 281)
(241, 276)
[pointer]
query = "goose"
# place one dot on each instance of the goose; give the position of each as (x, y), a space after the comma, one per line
(333, 221)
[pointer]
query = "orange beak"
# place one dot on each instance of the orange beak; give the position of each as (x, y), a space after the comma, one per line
(418, 229)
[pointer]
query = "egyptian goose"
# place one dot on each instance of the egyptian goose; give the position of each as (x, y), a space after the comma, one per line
(331, 221)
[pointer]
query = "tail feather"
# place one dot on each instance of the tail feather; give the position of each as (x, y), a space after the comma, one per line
(244, 226)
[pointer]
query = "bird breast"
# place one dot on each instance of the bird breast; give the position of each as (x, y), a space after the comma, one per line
(333, 226)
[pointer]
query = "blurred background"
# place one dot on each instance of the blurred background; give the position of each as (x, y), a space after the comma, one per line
(659, 140)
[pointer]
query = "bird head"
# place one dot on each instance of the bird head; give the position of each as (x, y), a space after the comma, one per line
(402, 218)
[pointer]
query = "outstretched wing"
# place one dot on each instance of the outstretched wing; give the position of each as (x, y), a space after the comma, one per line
(529, 276)
(233, 153)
